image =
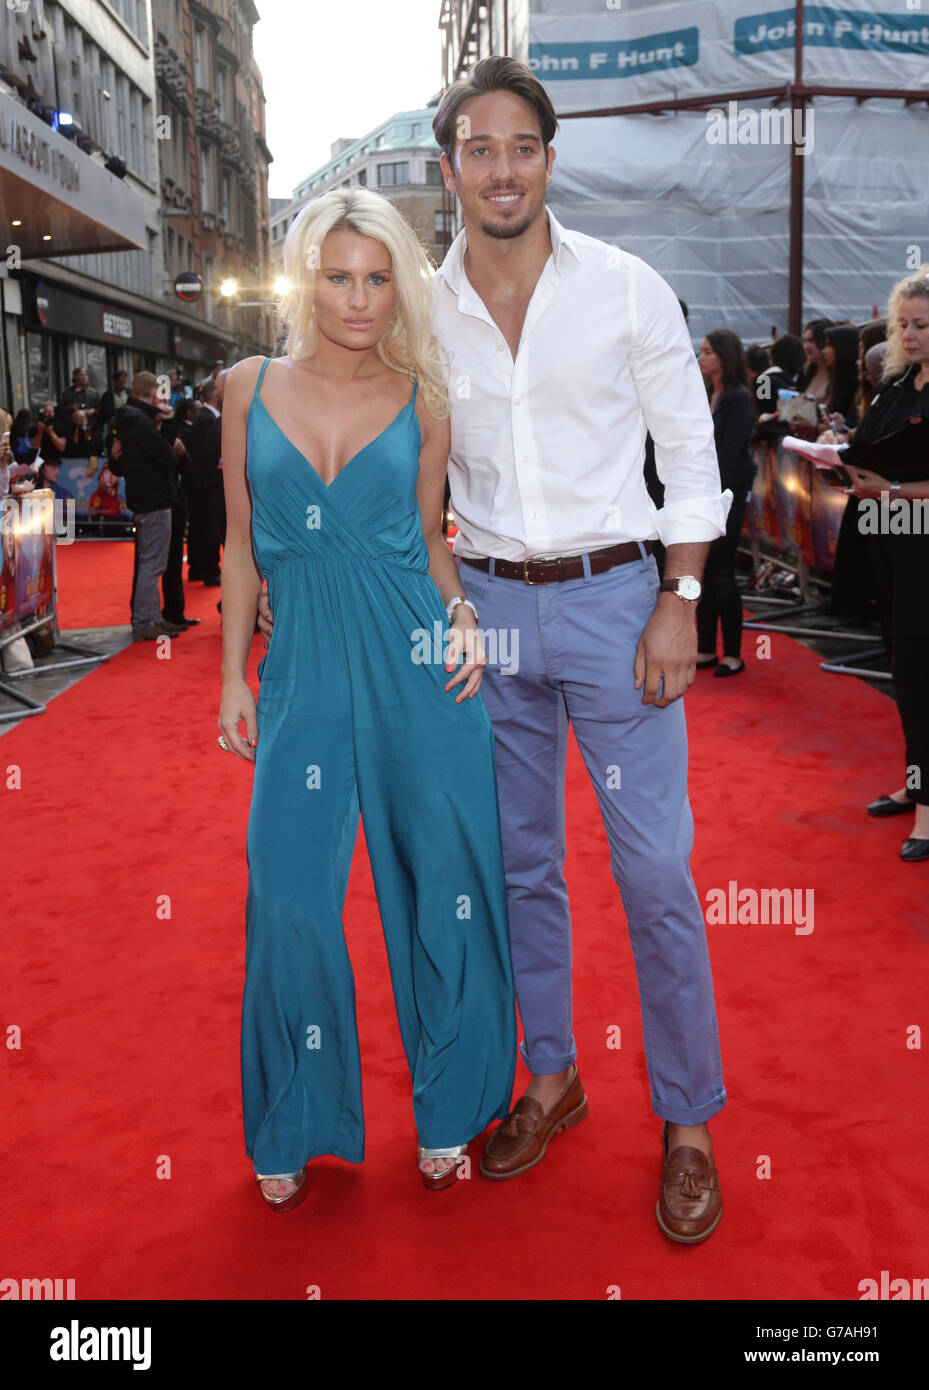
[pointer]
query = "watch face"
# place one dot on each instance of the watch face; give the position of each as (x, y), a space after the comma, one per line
(688, 587)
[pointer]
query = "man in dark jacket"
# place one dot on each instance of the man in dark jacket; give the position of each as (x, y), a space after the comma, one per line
(149, 464)
(117, 395)
(204, 479)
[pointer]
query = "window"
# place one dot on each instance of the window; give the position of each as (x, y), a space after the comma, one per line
(201, 75)
(433, 172)
(390, 175)
(363, 177)
(136, 156)
(207, 200)
(121, 99)
(132, 13)
(416, 129)
(444, 227)
(224, 206)
(70, 97)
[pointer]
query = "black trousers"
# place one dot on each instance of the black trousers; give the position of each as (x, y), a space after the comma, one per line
(194, 562)
(204, 539)
(721, 601)
(902, 581)
(172, 581)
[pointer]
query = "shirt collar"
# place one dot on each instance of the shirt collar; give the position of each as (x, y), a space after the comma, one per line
(452, 270)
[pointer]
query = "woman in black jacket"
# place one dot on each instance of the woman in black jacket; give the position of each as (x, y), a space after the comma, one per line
(901, 556)
(722, 362)
(841, 357)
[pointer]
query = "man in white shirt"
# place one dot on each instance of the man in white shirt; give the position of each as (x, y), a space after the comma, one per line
(563, 353)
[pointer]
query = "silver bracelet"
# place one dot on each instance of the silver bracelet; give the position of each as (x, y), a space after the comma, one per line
(453, 604)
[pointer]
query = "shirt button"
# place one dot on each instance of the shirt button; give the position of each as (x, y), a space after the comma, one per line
(517, 401)
(532, 515)
(525, 458)
(499, 347)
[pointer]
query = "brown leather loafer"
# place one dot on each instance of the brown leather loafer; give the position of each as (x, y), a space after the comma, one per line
(519, 1142)
(691, 1201)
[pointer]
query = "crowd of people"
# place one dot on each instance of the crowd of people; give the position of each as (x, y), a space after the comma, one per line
(842, 383)
(830, 377)
(166, 444)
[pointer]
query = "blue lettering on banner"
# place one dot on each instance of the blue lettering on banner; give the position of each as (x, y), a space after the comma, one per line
(831, 28)
(576, 62)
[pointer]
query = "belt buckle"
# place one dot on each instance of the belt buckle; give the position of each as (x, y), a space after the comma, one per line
(532, 582)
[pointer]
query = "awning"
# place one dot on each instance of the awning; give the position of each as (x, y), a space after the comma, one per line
(53, 189)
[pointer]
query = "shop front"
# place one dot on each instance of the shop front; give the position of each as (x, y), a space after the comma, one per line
(62, 326)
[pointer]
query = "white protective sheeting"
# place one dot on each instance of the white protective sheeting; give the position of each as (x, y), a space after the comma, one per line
(713, 218)
(600, 53)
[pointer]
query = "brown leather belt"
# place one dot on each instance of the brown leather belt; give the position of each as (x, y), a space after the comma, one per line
(563, 566)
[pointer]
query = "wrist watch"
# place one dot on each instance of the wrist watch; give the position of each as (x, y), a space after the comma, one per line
(895, 489)
(685, 586)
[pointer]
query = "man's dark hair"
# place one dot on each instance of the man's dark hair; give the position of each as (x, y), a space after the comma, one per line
(495, 74)
(787, 353)
(757, 357)
(684, 310)
(120, 371)
(207, 389)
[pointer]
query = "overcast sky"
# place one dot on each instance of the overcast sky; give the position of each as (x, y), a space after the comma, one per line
(334, 68)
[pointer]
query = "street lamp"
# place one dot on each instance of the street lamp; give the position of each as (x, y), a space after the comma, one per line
(229, 288)
(281, 286)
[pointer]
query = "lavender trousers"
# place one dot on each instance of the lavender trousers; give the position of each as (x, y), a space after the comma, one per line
(565, 652)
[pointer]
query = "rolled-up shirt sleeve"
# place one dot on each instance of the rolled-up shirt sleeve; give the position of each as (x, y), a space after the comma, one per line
(673, 399)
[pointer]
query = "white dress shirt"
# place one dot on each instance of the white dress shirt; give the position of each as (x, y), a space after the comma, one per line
(547, 452)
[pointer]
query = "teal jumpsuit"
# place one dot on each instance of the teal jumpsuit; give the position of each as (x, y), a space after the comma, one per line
(352, 719)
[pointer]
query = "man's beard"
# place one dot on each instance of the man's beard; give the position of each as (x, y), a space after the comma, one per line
(504, 233)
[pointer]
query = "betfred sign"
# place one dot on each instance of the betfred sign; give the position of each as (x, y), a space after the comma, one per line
(115, 325)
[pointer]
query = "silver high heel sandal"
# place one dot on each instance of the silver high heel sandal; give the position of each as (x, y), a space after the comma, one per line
(434, 1182)
(290, 1199)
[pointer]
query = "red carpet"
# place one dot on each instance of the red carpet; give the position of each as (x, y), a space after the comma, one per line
(123, 964)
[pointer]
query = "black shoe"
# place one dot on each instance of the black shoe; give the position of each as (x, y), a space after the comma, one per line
(913, 850)
(886, 806)
(708, 664)
(724, 670)
(181, 621)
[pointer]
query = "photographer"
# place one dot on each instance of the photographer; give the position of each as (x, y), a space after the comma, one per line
(149, 464)
(83, 441)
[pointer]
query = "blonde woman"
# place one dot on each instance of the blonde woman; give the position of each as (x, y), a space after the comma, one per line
(334, 464)
(902, 556)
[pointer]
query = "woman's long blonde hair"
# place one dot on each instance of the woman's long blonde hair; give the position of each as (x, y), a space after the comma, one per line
(912, 287)
(409, 344)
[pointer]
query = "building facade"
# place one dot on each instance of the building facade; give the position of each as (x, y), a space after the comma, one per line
(397, 158)
(87, 269)
(214, 176)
